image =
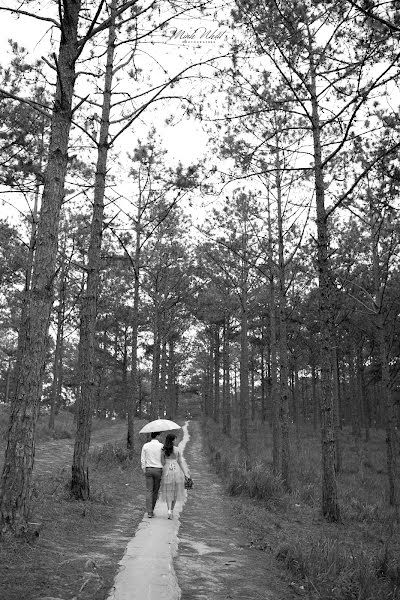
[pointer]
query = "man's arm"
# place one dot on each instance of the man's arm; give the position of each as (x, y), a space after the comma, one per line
(143, 459)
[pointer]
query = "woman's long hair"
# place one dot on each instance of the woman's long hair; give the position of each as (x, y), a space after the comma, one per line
(169, 444)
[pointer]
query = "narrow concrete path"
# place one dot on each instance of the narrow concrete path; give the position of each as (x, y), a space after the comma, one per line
(146, 570)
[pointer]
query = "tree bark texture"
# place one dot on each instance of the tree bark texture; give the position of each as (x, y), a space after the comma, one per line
(390, 409)
(244, 342)
(80, 473)
(155, 370)
(335, 374)
(133, 402)
(244, 373)
(217, 369)
(163, 378)
(226, 392)
(15, 482)
(171, 380)
(283, 347)
(330, 505)
(58, 352)
(275, 397)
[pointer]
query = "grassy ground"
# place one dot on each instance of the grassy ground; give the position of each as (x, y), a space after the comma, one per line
(357, 559)
(76, 552)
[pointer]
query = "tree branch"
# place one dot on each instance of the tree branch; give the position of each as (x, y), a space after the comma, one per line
(32, 103)
(18, 11)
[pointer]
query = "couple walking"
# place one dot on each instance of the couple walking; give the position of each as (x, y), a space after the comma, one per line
(164, 472)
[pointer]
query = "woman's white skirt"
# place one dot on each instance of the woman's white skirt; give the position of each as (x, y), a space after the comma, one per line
(172, 482)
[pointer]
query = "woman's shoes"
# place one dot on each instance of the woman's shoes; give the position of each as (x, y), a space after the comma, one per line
(170, 514)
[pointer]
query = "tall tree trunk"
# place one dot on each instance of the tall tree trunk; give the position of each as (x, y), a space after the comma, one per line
(15, 481)
(163, 378)
(171, 380)
(296, 398)
(330, 504)
(390, 409)
(354, 400)
(262, 377)
(8, 382)
(244, 373)
(314, 396)
(155, 370)
(336, 400)
(80, 473)
(275, 397)
(252, 392)
(217, 368)
(56, 387)
(244, 342)
(134, 401)
(24, 318)
(211, 376)
(283, 346)
(235, 390)
(226, 396)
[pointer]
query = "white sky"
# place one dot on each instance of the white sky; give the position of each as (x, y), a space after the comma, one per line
(187, 140)
(184, 41)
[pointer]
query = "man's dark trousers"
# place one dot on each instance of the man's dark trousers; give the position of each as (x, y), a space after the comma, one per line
(153, 480)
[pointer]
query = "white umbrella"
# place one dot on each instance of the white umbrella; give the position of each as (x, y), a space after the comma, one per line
(159, 425)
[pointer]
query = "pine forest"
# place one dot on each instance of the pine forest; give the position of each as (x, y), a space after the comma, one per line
(199, 219)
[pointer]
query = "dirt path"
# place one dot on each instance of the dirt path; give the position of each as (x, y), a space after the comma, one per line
(215, 560)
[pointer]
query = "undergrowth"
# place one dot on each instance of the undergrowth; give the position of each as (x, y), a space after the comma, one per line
(357, 559)
(64, 426)
(110, 455)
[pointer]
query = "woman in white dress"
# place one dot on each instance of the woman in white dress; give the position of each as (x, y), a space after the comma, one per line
(173, 476)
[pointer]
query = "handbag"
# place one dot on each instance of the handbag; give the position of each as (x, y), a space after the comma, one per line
(188, 483)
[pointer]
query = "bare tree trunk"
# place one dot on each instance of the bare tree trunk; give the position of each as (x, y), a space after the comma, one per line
(8, 382)
(283, 346)
(296, 397)
(335, 375)
(330, 504)
(58, 352)
(244, 342)
(235, 389)
(226, 396)
(244, 373)
(217, 368)
(314, 396)
(134, 401)
(262, 377)
(155, 371)
(80, 473)
(163, 377)
(252, 392)
(171, 380)
(390, 409)
(15, 482)
(23, 324)
(355, 416)
(275, 397)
